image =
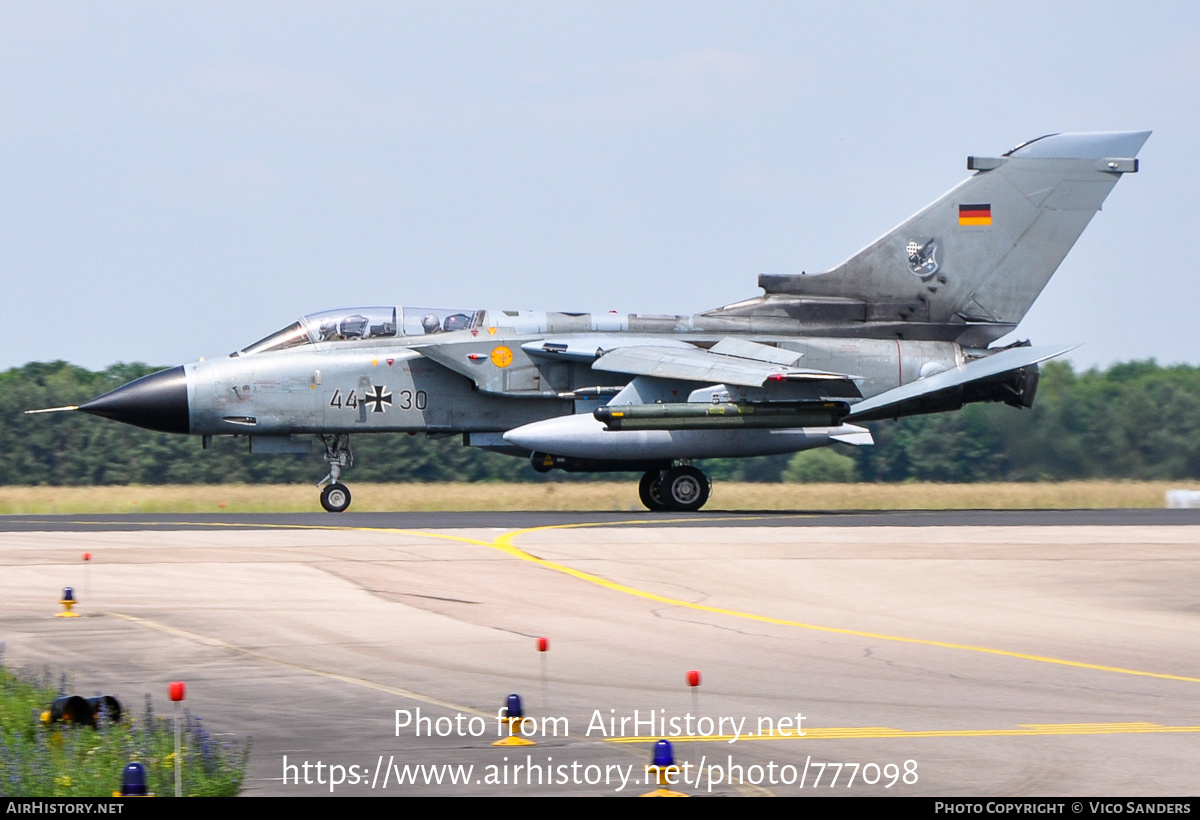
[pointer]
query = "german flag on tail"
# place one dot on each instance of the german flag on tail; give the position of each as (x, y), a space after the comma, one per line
(975, 214)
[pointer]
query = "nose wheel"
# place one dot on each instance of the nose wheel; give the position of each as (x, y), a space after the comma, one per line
(335, 498)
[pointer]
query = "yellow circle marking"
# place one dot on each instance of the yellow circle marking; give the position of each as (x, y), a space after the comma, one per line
(502, 356)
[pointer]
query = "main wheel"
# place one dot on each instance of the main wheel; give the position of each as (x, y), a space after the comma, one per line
(335, 498)
(684, 489)
(650, 491)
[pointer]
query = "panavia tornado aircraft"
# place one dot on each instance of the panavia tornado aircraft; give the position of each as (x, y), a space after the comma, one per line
(902, 327)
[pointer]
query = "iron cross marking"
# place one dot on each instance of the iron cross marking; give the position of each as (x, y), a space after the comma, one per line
(378, 397)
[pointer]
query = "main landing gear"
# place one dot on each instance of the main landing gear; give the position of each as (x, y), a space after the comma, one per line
(678, 489)
(335, 496)
(674, 486)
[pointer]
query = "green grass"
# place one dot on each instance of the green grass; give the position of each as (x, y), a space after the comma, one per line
(76, 761)
(607, 495)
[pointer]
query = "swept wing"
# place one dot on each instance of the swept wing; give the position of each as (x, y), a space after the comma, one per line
(933, 393)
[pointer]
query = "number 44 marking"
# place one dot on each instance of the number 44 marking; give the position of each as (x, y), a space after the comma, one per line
(350, 401)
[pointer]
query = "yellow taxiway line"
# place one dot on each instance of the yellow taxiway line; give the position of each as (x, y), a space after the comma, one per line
(809, 733)
(859, 732)
(504, 543)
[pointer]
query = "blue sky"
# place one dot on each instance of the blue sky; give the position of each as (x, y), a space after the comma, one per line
(181, 179)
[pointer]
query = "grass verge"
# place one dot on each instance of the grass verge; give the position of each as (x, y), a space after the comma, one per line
(63, 760)
(621, 496)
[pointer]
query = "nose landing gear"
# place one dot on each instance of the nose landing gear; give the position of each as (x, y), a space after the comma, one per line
(335, 496)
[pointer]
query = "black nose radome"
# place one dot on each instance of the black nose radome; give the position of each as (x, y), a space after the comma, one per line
(157, 402)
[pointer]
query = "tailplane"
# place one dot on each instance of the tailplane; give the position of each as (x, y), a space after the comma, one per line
(979, 256)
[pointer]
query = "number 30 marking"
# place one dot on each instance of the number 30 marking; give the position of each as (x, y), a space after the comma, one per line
(409, 400)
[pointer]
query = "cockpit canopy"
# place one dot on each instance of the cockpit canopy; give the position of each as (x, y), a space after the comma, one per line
(423, 321)
(361, 324)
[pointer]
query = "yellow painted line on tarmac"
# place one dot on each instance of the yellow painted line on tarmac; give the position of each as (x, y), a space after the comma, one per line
(504, 543)
(216, 642)
(873, 732)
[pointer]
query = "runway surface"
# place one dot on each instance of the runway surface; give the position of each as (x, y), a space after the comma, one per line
(957, 654)
(87, 522)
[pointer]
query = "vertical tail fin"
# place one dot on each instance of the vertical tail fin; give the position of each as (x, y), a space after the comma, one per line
(981, 254)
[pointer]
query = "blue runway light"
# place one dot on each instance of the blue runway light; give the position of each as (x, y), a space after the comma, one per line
(515, 709)
(133, 780)
(68, 603)
(512, 717)
(664, 755)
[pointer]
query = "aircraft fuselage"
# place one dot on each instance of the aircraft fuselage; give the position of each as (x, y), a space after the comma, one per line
(903, 327)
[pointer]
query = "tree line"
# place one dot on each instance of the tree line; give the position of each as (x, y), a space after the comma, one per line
(1136, 420)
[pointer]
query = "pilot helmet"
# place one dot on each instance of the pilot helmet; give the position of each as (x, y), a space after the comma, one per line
(456, 321)
(431, 323)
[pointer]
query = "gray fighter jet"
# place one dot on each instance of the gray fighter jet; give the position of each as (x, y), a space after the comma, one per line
(902, 327)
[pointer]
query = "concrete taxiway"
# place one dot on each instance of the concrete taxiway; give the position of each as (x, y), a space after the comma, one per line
(1014, 654)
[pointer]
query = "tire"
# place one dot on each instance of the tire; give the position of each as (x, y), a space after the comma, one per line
(650, 491)
(684, 489)
(335, 498)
